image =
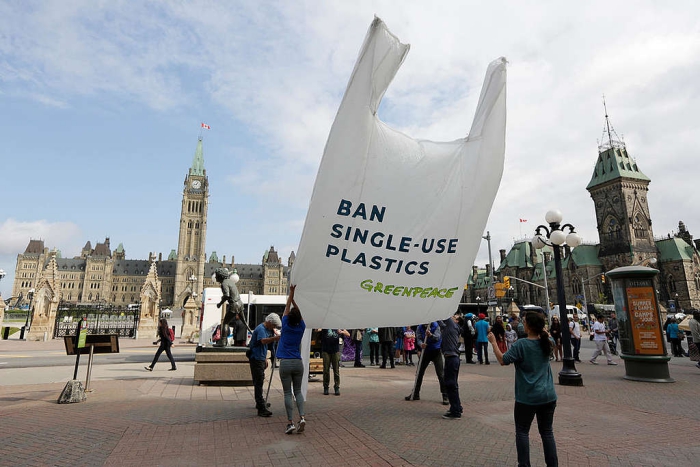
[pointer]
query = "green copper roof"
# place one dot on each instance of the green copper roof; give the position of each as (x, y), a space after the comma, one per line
(518, 256)
(198, 161)
(586, 255)
(213, 258)
(120, 248)
(674, 249)
(480, 281)
(614, 163)
(172, 256)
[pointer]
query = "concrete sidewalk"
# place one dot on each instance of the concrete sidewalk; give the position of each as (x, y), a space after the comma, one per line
(138, 418)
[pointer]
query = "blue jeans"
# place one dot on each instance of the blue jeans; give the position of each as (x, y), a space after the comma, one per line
(523, 415)
(291, 375)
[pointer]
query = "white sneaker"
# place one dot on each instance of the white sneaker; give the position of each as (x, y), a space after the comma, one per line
(301, 425)
(290, 429)
(612, 363)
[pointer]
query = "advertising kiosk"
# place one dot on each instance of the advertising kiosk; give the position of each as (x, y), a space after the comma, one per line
(642, 345)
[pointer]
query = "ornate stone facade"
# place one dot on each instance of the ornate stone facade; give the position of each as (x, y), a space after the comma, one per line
(100, 276)
(619, 191)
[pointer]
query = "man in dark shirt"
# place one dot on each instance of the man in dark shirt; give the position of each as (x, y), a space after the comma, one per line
(330, 351)
(429, 339)
(450, 349)
(263, 335)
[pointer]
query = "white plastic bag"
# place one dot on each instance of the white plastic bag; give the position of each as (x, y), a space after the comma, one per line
(394, 224)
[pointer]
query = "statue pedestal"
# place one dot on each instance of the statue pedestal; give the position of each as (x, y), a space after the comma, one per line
(220, 365)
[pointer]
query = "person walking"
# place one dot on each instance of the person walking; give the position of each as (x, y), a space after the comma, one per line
(600, 338)
(482, 341)
(534, 387)
(291, 366)
(356, 336)
(511, 336)
(330, 351)
(263, 335)
(429, 340)
(386, 340)
(614, 328)
(166, 341)
(674, 336)
(373, 338)
(694, 325)
(469, 334)
(575, 332)
(555, 332)
(499, 331)
(450, 331)
(409, 343)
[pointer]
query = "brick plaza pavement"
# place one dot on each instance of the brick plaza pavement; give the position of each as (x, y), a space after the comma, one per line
(136, 418)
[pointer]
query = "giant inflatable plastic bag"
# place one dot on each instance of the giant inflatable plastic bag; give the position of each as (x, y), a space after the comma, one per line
(394, 223)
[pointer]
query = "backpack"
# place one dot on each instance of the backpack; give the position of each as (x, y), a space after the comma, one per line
(171, 334)
(520, 330)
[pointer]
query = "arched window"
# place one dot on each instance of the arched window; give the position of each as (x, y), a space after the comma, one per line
(670, 283)
(576, 285)
(697, 281)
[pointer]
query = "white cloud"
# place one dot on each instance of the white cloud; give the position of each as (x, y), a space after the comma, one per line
(15, 235)
(281, 70)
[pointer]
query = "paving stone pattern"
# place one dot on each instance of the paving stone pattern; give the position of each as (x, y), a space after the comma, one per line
(162, 418)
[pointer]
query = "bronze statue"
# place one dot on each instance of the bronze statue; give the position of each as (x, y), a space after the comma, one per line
(235, 305)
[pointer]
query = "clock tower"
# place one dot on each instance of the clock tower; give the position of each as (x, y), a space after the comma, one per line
(191, 256)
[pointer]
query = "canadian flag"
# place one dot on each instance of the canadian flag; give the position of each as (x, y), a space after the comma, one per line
(204, 125)
(523, 220)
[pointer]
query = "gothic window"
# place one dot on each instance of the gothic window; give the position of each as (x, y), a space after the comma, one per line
(640, 226)
(670, 283)
(611, 229)
(697, 281)
(576, 285)
(90, 297)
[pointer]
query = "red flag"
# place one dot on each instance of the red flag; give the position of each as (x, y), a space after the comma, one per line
(204, 125)
(523, 220)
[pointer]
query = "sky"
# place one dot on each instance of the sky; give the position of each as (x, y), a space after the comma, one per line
(101, 105)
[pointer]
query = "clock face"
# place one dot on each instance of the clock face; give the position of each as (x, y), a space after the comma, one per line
(196, 184)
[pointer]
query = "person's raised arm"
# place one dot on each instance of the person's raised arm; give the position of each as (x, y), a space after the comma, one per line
(496, 351)
(290, 300)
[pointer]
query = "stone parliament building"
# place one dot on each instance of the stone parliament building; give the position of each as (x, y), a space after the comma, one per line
(102, 277)
(619, 191)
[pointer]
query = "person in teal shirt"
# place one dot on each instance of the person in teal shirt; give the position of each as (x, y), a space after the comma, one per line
(373, 345)
(534, 387)
(675, 338)
(482, 343)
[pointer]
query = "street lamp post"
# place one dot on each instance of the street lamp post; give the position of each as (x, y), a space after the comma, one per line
(555, 237)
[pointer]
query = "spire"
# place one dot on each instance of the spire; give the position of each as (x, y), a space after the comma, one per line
(613, 160)
(606, 141)
(198, 161)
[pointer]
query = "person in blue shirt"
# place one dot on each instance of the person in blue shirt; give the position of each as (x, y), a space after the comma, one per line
(674, 336)
(291, 366)
(534, 387)
(482, 342)
(263, 335)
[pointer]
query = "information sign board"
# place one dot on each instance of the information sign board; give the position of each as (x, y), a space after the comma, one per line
(644, 321)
